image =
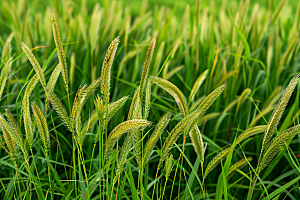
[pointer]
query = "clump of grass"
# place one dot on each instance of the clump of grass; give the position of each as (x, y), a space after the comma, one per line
(276, 145)
(278, 111)
(270, 147)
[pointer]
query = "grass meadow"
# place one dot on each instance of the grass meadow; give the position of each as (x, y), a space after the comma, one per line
(143, 100)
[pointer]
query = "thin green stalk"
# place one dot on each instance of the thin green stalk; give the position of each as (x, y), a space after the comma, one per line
(256, 176)
(30, 178)
(154, 183)
(92, 158)
(14, 187)
(141, 181)
(58, 143)
(105, 124)
(117, 186)
(183, 147)
(69, 101)
(4, 188)
(175, 176)
(80, 152)
(92, 67)
(18, 180)
(74, 162)
(49, 174)
(101, 155)
(256, 171)
(73, 147)
(101, 161)
(202, 182)
(35, 166)
(188, 185)
(164, 188)
(21, 179)
(146, 174)
(141, 171)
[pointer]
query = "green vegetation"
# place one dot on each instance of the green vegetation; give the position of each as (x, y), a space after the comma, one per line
(192, 100)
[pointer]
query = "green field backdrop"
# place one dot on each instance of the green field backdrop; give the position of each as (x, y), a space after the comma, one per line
(184, 99)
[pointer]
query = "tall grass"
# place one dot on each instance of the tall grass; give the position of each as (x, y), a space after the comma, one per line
(164, 103)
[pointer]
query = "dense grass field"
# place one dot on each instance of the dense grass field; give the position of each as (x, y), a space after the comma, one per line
(149, 99)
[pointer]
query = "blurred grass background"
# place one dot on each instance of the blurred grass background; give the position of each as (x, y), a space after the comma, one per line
(36, 5)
